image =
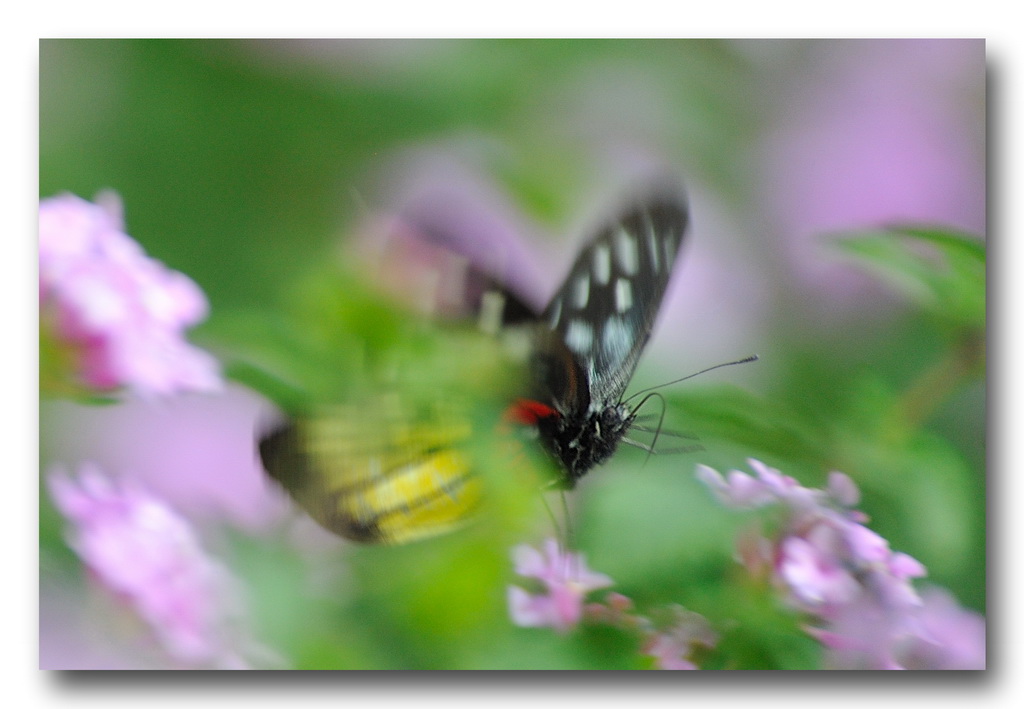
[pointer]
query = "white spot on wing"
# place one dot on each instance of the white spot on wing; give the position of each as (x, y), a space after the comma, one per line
(652, 247)
(581, 290)
(579, 336)
(517, 343)
(492, 305)
(671, 245)
(556, 313)
(602, 264)
(623, 295)
(616, 339)
(626, 251)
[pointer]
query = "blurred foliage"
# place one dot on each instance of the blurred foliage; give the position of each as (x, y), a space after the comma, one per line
(242, 164)
(236, 172)
(942, 273)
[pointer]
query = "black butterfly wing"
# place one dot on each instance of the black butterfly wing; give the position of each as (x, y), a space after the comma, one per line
(604, 312)
(468, 248)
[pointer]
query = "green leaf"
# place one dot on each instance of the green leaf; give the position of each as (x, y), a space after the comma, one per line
(761, 426)
(920, 493)
(279, 356)
(941, 271)
(756, 632)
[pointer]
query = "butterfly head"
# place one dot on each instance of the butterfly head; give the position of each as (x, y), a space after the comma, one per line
(580, 443)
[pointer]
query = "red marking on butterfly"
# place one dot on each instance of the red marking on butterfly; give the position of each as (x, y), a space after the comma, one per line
(528, 412)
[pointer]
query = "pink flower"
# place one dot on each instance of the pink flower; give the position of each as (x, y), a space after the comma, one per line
(829, 565)
(823, 557)
(673, 647)
(121, 313)
(566, 581)
(740, 490)
(814, 575)
(150, 559)
(935, 634)
(945, 637)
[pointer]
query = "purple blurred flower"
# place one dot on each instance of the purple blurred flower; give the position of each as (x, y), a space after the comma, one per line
(448, 231)
(830, 566)
(947, 636)
(935, 634)
(813, 572)
(195, 452)
(122, 313)
(566, 581)
(151, 560)
(823, 557)
(875, 132)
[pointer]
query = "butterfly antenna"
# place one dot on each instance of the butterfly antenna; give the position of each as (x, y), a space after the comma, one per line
(658, 431)
(674, 434)
(745, 360)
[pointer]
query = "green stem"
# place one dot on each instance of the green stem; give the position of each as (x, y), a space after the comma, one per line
(936, 384)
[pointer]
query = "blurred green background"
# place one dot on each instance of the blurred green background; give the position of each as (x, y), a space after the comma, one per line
(247, 165)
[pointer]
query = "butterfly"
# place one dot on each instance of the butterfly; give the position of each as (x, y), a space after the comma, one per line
(383, 475)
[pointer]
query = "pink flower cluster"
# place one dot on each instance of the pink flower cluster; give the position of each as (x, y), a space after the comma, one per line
(121, 313)
(566, 581)
(151, 560)
(829, 565)
(672, 647)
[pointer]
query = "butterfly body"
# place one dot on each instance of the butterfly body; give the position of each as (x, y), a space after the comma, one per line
(579, 443)
(596, 327)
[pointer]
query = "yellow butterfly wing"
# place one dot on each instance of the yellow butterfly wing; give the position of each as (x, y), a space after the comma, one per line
(378, 473)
